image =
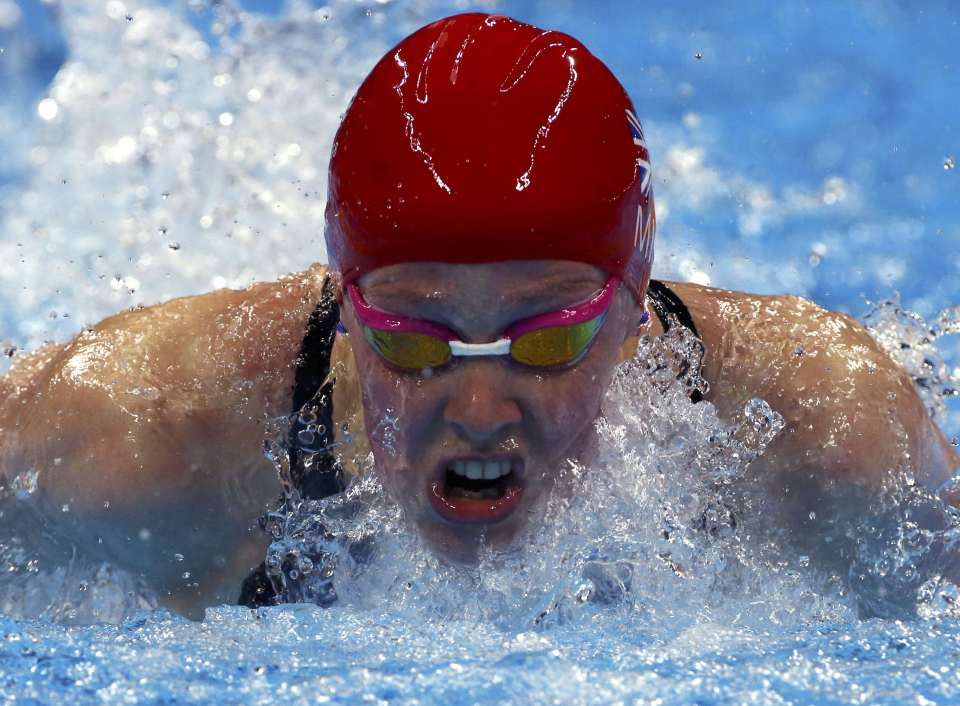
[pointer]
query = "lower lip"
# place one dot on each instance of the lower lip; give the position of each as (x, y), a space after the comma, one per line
(473, 511)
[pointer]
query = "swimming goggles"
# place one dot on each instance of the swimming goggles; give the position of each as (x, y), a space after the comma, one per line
(554, 339)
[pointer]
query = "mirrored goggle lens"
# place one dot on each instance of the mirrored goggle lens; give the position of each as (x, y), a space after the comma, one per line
(556, 345)
(404, 349)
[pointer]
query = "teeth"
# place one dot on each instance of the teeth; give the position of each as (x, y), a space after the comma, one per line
(475, 470)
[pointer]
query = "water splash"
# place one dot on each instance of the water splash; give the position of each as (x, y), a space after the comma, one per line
(653, 518)
(914, 343)
(667, 522)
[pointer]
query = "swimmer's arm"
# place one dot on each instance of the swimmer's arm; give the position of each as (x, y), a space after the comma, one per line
(852, 414)
(853, 418)
(148, 428)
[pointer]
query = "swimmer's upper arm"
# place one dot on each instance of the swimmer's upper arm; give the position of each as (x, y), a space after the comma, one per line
(153, 420)
(851, 412)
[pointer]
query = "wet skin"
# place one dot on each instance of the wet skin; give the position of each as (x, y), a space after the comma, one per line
(153, 419)
(487, 408)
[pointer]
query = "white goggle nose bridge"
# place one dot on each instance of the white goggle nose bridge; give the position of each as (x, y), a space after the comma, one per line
(500, 347)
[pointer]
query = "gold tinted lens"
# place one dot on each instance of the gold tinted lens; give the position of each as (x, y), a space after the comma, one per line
(555, 345)
(408, 350)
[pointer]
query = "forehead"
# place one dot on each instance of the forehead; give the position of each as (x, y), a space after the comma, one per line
(562, 281)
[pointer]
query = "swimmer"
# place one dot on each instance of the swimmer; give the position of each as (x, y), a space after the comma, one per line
(490, 232)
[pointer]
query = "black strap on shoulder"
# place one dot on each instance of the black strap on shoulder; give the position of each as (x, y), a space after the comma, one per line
(312, 432)
(313, 362)
(665, 302)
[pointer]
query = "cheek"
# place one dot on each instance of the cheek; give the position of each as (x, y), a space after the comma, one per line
(392, 405)
(566, 404)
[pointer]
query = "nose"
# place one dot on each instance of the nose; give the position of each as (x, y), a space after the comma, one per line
(479, 408)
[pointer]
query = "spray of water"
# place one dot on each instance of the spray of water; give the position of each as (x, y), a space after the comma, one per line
(666, 526)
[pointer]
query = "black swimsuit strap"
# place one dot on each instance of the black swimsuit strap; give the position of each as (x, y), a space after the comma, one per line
(665, 302)
(324, 476)
(313, 434)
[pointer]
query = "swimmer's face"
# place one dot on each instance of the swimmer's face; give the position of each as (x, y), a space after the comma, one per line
(516, 426)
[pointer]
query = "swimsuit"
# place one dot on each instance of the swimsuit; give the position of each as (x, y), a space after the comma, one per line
(325, 476)
(665, 303)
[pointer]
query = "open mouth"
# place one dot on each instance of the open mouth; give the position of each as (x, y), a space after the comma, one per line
(478, 489)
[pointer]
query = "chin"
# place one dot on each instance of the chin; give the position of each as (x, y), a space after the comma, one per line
(462, 543)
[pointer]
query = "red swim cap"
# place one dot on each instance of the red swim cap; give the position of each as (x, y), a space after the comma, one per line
(481, 139)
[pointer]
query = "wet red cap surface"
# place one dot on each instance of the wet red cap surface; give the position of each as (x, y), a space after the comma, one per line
(481, 139)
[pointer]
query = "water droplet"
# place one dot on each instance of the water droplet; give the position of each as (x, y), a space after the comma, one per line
(814, 259)
(949, 163)
(162, 230)
(25, 484)
(165, 195)
(698, 56)
(144, 535)
(65, 507)
(178, 557)
(47, 109)
(174, 245)
(185, 574)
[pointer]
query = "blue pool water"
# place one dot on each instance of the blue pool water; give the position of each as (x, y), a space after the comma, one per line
(157, 149)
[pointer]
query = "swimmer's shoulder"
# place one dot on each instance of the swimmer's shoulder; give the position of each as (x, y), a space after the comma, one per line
(838, 391)
(199, 344)
(740, 327)
(210, 349)
(153, 420)
(778, 345)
